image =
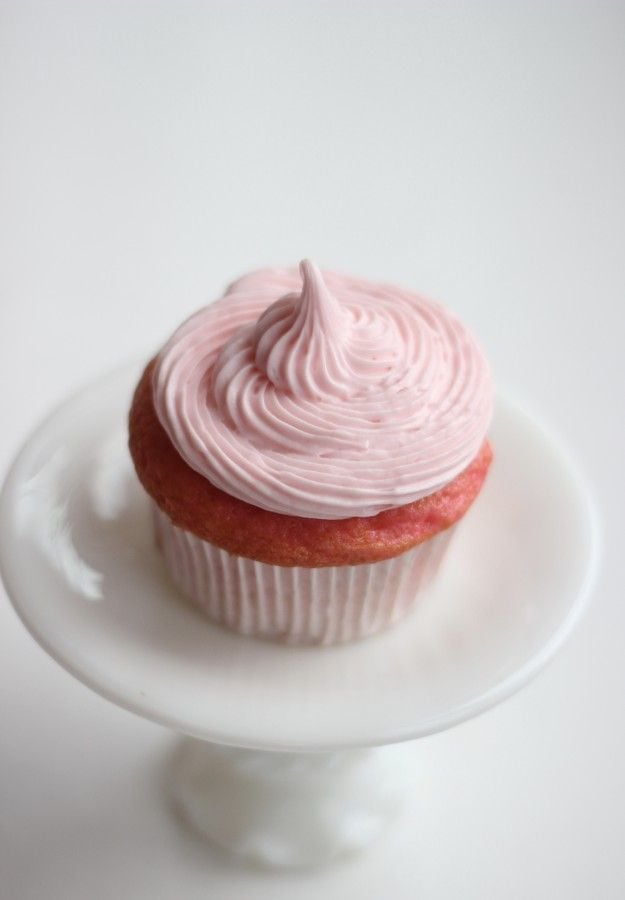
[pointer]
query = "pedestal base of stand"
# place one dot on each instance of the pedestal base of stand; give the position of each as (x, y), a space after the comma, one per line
(291, 809)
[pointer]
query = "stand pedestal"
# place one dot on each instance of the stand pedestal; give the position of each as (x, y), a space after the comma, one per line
(291, 809)
(78, 559)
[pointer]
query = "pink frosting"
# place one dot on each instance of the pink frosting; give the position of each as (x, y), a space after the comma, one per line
(323, 396)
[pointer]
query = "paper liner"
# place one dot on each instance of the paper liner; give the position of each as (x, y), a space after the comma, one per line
(292, 604)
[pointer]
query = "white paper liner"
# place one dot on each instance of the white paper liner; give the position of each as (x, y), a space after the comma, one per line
(292, 604)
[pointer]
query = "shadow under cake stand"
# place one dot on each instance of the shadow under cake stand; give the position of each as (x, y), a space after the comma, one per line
(291, 756)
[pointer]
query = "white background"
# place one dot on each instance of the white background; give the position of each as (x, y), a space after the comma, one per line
(149, 153)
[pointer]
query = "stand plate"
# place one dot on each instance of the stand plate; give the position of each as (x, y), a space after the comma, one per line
(78, 559)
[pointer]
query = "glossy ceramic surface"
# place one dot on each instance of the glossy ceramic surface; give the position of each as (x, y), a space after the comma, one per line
(80, 566)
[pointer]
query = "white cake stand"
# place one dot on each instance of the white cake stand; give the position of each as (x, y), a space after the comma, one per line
(80, 566)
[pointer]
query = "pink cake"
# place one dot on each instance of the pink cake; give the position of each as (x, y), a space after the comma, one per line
(310, 443)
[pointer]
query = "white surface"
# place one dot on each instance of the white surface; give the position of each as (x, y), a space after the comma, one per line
(150, 153)
(88, 582)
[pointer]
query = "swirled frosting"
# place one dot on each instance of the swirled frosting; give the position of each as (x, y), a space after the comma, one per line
(323, 396)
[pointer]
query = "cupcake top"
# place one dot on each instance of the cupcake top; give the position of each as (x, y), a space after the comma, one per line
(323, 396)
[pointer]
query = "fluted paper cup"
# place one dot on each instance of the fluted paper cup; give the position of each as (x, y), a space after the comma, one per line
(293, 604)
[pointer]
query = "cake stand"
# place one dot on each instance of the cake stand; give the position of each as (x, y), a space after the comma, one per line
(291, 756)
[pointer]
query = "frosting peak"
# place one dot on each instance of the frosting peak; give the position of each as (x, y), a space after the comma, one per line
(299, 340)
(323, 396)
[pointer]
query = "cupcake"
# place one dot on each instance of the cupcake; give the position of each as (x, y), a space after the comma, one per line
(310, 442)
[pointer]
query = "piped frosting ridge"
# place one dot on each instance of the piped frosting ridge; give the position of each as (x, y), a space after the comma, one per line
(323, 396)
